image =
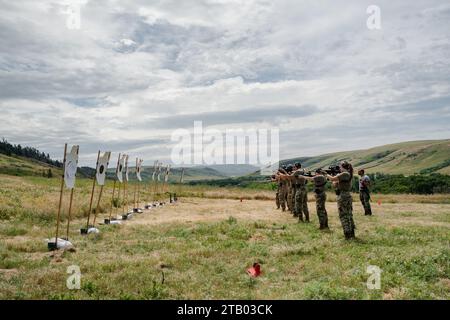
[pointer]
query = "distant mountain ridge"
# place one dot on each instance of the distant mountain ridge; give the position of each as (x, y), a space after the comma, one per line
(428, 156)
(413, 157)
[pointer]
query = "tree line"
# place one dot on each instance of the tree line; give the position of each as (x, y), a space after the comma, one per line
(380, 183)
(415, 184)
(27, 152)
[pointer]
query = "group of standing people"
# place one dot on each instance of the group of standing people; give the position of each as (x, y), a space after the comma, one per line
(292, 194)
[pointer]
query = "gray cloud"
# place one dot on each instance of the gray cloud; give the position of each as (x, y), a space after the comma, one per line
(134, 72)
(438, 107)
(273, 115)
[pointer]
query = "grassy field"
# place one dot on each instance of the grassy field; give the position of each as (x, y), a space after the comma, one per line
(19, 166)
(200, 248)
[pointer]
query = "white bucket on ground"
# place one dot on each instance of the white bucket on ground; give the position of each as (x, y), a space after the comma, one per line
(62, 244)
(93, 230)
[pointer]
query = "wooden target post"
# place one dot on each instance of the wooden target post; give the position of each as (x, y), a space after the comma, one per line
(123, 196)
(98, 205)
(135, 206)
(68, 178)
(114, 190)
(157, 176)
(69, 214)
(85, 231)
(125, 188)
(60, 199)
(180, 184)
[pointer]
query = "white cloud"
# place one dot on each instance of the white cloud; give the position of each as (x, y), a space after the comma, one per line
(135, 62)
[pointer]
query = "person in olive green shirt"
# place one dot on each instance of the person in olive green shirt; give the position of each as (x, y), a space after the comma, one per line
(364, 192)
(283, 187)
(320, 182)
(301, 203)
(343, 185)
(277, 194)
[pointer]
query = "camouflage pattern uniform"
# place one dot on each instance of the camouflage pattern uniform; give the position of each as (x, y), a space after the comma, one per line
(283, 194)
(291, 196)
(320, 182)
(345, 204)
(277, 195)
(364, 195)
(301, 204)
(293, 190)
(305, 202)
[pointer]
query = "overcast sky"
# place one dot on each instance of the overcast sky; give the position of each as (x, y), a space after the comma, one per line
(137, 70)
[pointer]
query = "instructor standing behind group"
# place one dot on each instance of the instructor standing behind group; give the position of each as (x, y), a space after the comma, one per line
(364, 192)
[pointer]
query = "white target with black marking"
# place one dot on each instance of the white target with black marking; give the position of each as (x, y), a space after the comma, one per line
(70, 167)
(126, 168)
(158, 177)
(154, 170)
(121, 167)
(166, 176)
(139, 169)
(102, 166)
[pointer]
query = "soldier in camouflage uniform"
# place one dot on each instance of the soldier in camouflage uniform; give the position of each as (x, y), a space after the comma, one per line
(364, 192)
(294, 188)
(290, 186)
(343, 184)
(283, 183)
(277, 194)
(301, 195)
(320, 182)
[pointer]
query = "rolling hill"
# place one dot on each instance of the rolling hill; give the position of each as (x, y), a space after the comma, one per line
(430, 156)
(213, 172)
(425, 157)
(21, 166)
(194, 173)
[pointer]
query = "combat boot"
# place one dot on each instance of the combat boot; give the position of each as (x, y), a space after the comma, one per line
(350, 235)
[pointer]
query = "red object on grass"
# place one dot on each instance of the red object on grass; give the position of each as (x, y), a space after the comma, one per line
(379, 202)
(254, 271)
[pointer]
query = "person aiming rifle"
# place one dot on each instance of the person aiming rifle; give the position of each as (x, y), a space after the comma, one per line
(283, 187)
(343, 184)
(274, 179)
(291, 189)
(364, 192)
(301, 194)
(320, 181)
(297, 179)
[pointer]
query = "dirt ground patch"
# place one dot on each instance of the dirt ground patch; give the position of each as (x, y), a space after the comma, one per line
(193, 210)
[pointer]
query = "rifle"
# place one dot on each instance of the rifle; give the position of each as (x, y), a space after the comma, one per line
(333, 170)
(271, 178)
(307, 174)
